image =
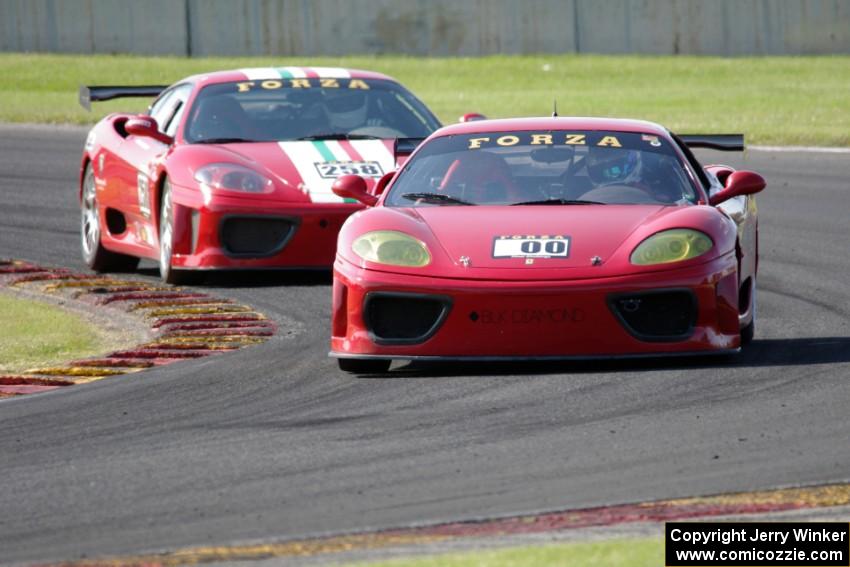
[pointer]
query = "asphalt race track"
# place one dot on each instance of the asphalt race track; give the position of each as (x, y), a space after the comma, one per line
(274, 442)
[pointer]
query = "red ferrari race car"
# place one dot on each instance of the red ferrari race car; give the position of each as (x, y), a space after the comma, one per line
(233, 169)
(548, 238)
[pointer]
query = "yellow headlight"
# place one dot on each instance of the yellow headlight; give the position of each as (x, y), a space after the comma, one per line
(391, 247)
(671, 246)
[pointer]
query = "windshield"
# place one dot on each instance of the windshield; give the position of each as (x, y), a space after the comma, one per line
(542, 168)
(294, 109)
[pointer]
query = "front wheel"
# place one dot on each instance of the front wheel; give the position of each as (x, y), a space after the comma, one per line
(167, 273)
(363, 366)
(95, 255)
(749, 331)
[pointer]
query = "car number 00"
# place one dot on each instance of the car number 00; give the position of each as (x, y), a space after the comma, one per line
(552, 247)
(531, 246)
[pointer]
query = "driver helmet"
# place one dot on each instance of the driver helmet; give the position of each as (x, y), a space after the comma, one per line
(612, 165)
(346, 109)
(218, 117)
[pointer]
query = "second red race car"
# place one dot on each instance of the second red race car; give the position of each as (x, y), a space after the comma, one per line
(548, 238)
(233, 169)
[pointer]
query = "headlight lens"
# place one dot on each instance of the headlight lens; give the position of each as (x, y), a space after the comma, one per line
(671, 246)
(233, 177)
(393, 248)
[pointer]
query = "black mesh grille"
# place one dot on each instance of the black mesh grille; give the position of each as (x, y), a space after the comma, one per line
(246, 236)
(403, 318)
(666, 315)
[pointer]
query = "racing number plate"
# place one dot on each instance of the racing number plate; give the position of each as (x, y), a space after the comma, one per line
(334, 169)
(530, 246)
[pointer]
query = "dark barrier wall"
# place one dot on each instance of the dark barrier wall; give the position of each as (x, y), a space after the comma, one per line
(426, 27)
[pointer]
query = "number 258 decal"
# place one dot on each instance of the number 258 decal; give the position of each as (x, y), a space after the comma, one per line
(531, 246)
(334, 169)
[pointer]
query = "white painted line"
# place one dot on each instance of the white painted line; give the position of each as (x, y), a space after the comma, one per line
(799, 149)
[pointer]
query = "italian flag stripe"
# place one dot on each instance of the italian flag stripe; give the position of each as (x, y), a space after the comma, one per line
(338, 150)
(326, 152)
(308, 157)
(305, 156)
(292, 72)
(377, 150)
(350, 150)
(339, 153)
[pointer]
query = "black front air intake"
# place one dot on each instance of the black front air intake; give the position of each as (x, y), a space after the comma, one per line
(404, 318)
(255, 237)
(657, 316)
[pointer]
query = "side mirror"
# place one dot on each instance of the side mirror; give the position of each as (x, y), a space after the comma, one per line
(354, 187)
(471, 117)
(382, 183)
(737, 184)
(146, 126)
(721, 172)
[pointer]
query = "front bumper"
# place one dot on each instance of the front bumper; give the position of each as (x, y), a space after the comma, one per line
(217, 235)
(497, 320)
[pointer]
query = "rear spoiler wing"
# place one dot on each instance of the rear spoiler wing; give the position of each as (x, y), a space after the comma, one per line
(97, 94)
(722, 142)
(403, 147)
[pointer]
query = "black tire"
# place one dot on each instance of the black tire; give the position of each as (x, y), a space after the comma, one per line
(95, 255)
(748, 332)
(166, 242)
(363, 365)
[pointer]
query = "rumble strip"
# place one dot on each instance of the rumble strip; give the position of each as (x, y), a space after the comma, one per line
(184, 324)
(409, 539)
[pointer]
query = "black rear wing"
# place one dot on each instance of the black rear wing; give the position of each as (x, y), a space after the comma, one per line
(89, 95)
(405, 146)
(722, 142)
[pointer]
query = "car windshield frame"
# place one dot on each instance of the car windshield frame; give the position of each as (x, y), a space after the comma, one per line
(377, 92)
(543, 148)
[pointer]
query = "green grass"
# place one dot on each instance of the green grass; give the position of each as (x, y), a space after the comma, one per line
(39, 334)
(616, 553)
(774, 100)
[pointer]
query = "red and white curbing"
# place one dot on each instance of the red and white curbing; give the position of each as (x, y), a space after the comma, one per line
(478, 533)
(184, 324)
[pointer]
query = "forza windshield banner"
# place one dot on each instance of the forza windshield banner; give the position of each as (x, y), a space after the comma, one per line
(695, 544)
